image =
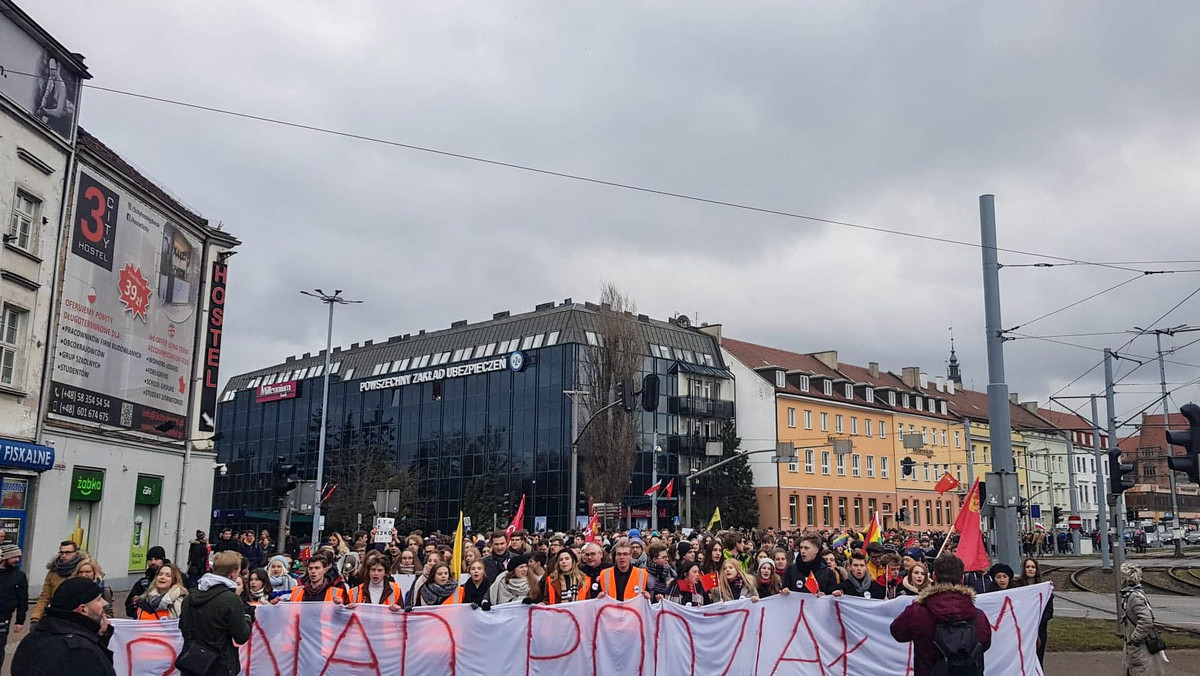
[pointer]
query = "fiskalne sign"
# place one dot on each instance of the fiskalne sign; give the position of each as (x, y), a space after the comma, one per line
(487, 366)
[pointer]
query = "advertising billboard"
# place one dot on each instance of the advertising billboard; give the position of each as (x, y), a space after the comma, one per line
(127, 323)
(289, 389)
(47, 89)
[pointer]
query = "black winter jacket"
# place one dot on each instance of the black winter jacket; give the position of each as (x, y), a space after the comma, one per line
(216, 618)
(14, 594)
(138, 591)
(64, 643)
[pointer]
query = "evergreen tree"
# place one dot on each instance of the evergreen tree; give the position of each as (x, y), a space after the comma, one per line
(483, 498)
(730, 487)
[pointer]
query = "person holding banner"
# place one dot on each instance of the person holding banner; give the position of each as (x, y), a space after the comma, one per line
(624, 581)
(733, 583)
(809, 572)
(566, 582)
(258, 587)
(516, 583)
(377, 588)
(686, 589)
(438, 588)
(316, 586)
(277, 574)
(475, 590)
(164, 599)
(858, 582)
(497, 561)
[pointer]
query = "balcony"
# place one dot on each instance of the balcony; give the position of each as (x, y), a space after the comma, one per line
(693, 445)
(701, 407)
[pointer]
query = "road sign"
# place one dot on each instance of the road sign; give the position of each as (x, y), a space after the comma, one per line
(1075, 522)
(1035, 511)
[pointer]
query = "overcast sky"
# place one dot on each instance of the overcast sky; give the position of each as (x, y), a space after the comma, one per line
(1080, 117)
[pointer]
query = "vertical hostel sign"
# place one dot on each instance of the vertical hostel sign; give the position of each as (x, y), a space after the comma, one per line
(212, 348)
(127, 316)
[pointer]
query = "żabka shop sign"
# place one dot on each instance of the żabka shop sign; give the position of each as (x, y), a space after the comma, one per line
(289, 389)
(497, 364)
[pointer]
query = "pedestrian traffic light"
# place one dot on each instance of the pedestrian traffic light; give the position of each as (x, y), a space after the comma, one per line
(581, 503)
(1190, 440)
(650, 393)
(284, 479)
(1058, 514)
(625, 395)
(908, 466)
(1118, 483)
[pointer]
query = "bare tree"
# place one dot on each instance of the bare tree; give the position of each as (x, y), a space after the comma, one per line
(359, 470)
(607, 449)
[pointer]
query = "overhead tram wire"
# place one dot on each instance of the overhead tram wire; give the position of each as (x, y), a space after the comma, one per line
(1076, 303)
(586, 179)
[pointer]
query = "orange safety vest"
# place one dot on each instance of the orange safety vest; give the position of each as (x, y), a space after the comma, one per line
(156, 615)
(635, 585)
(360, 594)
(331, 592)
(456, 597)
(583, 594)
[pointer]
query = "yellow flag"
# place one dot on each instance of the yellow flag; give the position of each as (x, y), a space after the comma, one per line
(456, 562)
(715, 518)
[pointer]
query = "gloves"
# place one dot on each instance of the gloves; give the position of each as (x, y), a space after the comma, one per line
(485, 605)
(528, 601)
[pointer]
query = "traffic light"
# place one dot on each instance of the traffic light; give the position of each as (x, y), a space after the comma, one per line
(1058, 515)
(508, 505)
(902, 517)
(1118, 483)
(284, 479)
(1190, 440)
(625, 395)
(581, 503)
(908, 466)
(650, 393)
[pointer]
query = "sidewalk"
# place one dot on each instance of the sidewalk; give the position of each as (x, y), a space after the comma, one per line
(1183, 663)
(1174, 611)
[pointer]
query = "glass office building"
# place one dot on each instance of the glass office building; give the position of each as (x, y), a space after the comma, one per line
(451, 405)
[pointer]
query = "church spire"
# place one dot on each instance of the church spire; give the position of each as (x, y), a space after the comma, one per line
(954, 373)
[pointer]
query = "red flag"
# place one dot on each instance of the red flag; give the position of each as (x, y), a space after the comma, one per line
(970, 539)
(910, 543)
(518, 521)
(709, 581)
(811, 584)
(593, 528)
(670, 487)
(653, 489)
(946, 483)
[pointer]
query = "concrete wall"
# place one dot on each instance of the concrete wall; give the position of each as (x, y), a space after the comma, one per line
(756, 426)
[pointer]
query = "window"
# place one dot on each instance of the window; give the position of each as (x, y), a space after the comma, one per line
(849, 390)
(842, 511)
(924, 435)
(906, 401)
(853, 424)
(915, 514)
(944, 438)
(780, 379)
(841, 465)
(871, 505)
(973, 459)
(828, 388)
(929, 512)
(552, 339)
(957, 439)
(837, 423)
(424, 361)
(791, 417)
(958, 473)
(825, 463)
(12, 322)
(938, 510)
(869, 395)
(891, 398)
(810, 509)
(824, 422)
(793, 467)
(926, 465)
(403, 364)
(870, 467)
(24, 219)
(527, 342)
(883, 467)
(803, 383)
(807, 419)
(882, 430)
(919, 404)
(538, 340)
(808, 461)
(592, 338)
(491, 350)
(826, 503)
(944, 413)
(348, 375)
(858, 511)
(792, 509)
(854, 465)
(948, 519)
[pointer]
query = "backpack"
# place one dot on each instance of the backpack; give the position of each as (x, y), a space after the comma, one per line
(961, 653)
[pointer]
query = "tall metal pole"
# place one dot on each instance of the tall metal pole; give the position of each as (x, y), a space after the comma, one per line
(687, 492)
(316, 530)
(999, 420)
(970, 454)
(574, 478)
(1074, 491)
(1101, 501)
(654, 477)
(1176, 535)
(1119, 506)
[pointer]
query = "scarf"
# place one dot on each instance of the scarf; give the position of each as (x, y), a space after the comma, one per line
(65, 569)
(284, 582)
(911, 588)
(432, 594)
(861, 587)
(210, 580)
(260, 596)
(662, 577)
(814, 567)
(640, 562)
(315, 591)
(518, 587)
(406, 570)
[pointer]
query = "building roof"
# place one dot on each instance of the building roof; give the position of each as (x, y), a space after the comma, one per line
(1152, 434)
(33, 28)
(567, 322)
(1069, 421)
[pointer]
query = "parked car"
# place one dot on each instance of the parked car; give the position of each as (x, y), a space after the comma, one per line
(1192, 537)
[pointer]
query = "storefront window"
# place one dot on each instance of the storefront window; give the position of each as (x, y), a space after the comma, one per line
(13, 494)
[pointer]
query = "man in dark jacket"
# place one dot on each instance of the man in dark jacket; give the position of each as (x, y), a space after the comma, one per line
(497, 561)
(197, 557)
(14, 593)
(215, 617)
(946, 601)
(858, 583)
(155, 558)
(72, 637)
(809, 562)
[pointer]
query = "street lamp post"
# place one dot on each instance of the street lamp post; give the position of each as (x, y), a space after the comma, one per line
(329, 299)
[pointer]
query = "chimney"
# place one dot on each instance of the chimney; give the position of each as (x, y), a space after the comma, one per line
(924, 380)
(910, 375)
(1031, 406)
(873, 369)
(950, 387)
(828, 358)
(940, 383)
(500, 315)
(713, 330)
(307, 355)
(1013, 397)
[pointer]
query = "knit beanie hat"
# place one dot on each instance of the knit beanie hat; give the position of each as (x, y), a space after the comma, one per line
(73, 593)
(683, 548)
(9, 551)
(155, 552)
(1001, 568)
(516, 562)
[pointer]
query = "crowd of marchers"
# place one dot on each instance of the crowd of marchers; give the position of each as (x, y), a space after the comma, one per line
(215, 595)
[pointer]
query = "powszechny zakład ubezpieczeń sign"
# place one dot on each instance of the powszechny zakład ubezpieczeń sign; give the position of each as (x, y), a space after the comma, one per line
(128, 314)
(515, 361)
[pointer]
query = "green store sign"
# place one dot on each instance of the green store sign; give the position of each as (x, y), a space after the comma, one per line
(87, 484)
(149, 490)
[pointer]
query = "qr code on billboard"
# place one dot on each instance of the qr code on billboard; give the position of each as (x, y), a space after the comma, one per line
(126, 414)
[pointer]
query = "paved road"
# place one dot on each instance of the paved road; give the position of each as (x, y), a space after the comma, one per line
(1183, 663)
(1175, 611)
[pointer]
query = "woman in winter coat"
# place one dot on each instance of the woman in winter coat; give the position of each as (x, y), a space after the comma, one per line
(277, 573)
(733, 583)
(1136, 620)
(916, 581)
(475, 589)
(1002, 577)
(164, 599)
(566, 582)
(768, 581)
(686, 590)
(90, 569)
(405, 563)
(437, 588)
(1032, 574)
(516, 583)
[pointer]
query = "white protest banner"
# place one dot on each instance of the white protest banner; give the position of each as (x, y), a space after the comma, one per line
(780, 635)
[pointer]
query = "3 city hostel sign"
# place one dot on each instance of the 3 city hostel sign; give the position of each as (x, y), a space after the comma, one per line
(514, 362)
